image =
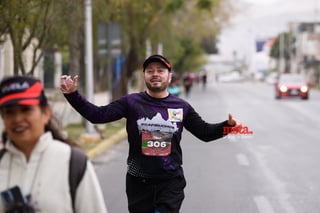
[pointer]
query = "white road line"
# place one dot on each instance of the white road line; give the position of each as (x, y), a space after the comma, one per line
(242, 160)
(263, 204)
(277, 184)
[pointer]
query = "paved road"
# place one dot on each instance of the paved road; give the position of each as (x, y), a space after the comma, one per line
(275, 171)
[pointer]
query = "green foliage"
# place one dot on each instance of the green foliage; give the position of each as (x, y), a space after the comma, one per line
(288, 41)
(29, 24)
(74, 131)
(284, 41)
(189, 56)
(209, 45)
(163, 21)
(173, 6)
(38, 25)
(183, 27)
(205, 4)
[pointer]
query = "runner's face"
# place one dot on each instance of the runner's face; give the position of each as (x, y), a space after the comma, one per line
(25, 124)
(157, 77)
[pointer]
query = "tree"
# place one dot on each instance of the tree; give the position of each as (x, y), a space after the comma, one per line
(42, 25)
(138, 19)
(206, 17)
(209, 44)
(71, 22)
(166, 22)
(28, 24)
(59, 25)
(69, 35)
(283, 47)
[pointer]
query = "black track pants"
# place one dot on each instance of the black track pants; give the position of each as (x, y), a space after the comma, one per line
(150, 196)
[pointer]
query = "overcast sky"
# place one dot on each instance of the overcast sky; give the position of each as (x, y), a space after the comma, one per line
(261, 19)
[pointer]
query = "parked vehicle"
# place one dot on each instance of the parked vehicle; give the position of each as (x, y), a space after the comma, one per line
(291, 85)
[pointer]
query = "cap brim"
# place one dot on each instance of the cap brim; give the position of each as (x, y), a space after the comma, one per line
(31, 101)
(31, 96)
(156, 59)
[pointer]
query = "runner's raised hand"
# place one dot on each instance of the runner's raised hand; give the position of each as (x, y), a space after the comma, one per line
(233, 122)
(69, 84)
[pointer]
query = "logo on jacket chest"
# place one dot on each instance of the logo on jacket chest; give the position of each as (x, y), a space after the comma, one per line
(175, 115)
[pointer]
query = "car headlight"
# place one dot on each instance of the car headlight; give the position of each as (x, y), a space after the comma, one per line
(283, 88)
(304, 89)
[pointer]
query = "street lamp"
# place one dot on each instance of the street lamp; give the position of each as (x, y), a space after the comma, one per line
(88, 58)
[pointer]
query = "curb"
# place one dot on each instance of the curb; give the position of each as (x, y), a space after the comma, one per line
(103, 145)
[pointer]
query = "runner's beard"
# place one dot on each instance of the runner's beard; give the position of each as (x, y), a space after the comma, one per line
(160, 88)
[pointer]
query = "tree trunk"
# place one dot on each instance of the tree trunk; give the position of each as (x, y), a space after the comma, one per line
(130, 65)
(73, 41)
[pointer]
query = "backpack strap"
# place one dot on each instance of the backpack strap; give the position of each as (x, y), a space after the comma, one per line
(77, 168)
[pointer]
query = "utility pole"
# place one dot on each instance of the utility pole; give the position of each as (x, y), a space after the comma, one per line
(160, 49)
(88, 58)
(281, 49)
(148, 48)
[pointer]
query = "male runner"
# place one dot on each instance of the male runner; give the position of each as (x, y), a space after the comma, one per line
(155, 119)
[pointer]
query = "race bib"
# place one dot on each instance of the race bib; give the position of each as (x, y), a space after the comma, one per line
(156, 143)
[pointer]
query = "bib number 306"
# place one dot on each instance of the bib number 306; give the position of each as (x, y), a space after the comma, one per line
(157, 144)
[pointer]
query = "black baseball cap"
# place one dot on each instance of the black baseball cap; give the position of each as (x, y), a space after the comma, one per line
(22, 90)
(157, 58)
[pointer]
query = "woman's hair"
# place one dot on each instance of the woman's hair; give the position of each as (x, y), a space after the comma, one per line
(54, 127)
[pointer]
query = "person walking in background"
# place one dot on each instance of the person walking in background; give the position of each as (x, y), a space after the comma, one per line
(36, 172)
(174, 86)
(204, 80)
(187, 83)
(155, 120)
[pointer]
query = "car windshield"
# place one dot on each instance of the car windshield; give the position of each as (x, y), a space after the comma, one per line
(292, 79)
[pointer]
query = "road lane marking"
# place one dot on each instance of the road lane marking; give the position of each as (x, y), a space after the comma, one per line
(278, 185)
(263, 204)
(242, 160)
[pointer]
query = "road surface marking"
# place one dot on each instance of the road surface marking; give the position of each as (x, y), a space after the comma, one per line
(277, 184)
(243, 160)
(263, 204)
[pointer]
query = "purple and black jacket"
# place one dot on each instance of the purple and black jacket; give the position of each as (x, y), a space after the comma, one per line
(154, 127)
